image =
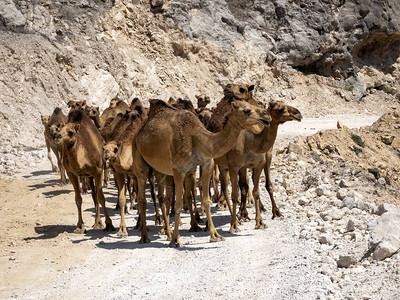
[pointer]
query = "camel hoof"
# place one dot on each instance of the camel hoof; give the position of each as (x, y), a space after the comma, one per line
(122, 233)
(80, 230)
(260, 225)
(216, 238)
(175, 244)
(144, 240)
(162, 231)
(109, 227)
(195, 228)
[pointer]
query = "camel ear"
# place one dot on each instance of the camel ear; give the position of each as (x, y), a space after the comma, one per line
(235, 105)
(119, 144)
(251, 87)
(272, 103)
(77, 126)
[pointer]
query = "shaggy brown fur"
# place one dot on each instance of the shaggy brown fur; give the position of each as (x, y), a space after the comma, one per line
(83, 156)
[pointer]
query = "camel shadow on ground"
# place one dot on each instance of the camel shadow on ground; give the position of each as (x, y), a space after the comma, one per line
(50, 231)
(38, 173)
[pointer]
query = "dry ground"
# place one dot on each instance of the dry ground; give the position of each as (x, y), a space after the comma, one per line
(41, 257)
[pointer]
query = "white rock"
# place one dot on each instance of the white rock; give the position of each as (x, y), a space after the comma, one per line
(341, 193)
(388, 246)
(348, 202)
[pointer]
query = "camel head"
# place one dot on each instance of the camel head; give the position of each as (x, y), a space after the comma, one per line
(77, 104)
(110, 151)
(93, 112)
(55, 129)
(67, 134)
(202, 100)
(281, 113)
(205, 116)
(45, 119)
(247, 115)
(114, 102)
(238, 92)
(261, 102)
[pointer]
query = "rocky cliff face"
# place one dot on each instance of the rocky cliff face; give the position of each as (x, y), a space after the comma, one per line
(317, 55)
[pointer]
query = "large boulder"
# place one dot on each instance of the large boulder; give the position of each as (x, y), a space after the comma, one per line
(385, 235)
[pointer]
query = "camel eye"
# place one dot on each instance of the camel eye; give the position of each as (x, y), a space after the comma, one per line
(281, 110)
(242, 90)
(70, 133)
(115, 150)
(246, 111)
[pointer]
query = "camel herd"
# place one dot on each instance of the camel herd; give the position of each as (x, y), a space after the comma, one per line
(165, 144)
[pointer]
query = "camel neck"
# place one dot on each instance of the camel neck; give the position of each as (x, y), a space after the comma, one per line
(266, 138)
(214, 145)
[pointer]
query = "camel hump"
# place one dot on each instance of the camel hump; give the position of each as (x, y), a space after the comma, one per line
(156, 104)
(57, 111)
(75, 116)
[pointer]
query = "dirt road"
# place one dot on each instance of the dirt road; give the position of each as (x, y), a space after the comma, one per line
(41, 257)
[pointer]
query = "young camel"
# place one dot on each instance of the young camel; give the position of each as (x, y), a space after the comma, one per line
(253, 151)
(174, 142)
(83, 156)
(52, 125)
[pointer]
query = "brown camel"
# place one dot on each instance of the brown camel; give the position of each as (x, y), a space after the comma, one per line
(174, 142)
(93, 113)
(119, 156)
(251, 151)
(202, 102)
(116, 106)
(79, 104)
(52, 125)
(83, 156)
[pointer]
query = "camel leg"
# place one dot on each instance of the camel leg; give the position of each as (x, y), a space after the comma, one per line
(189, 182)
(250, 201)
(142, 173)
(268, 186)
(80, 227)
(214, 180)
(224, 188)
(102, 200)
(61, 169)
(134, 191)
(206, 201)
(233, 174)
(256, 195)
(244, 189)
(153, 196)
(53, 167)
(179, 180)
(120, 179)
(98, 224)
(164, 204)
